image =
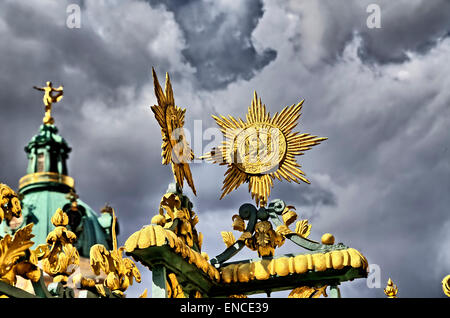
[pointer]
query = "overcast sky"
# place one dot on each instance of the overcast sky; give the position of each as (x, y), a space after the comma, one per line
(380, 183)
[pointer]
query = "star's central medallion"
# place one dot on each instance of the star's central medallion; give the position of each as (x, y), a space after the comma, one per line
(259, 149)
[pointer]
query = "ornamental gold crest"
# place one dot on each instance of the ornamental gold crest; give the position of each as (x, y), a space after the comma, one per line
(261, 148)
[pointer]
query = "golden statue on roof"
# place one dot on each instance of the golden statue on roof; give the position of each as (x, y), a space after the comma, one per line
(51, 95)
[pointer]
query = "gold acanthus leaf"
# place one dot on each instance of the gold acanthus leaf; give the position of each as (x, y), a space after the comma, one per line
(238, 223)
(283, 230)
(120, 271)
(228, 238)
(308, 292)
(101, 259)
(303, 228)
(12, 248)
(59, 257)
(63, 264)
(175, 148)
(60, 218)
(174, 290)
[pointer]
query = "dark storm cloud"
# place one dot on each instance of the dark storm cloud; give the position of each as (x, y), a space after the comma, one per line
(220, 39)
(405, 27)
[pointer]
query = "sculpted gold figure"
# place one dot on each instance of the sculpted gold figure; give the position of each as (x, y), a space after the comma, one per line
(51, 95)
(261, 149)
(175, 148)
(15, 257)
(120, 271)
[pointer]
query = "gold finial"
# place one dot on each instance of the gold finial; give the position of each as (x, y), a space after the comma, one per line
(51, 95)
(175, 148)
(59, 256)
(328, 239)
(261, 149)
(391, 289)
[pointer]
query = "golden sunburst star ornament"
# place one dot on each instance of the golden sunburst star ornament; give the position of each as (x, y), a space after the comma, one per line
(261, 149)
(175, 148)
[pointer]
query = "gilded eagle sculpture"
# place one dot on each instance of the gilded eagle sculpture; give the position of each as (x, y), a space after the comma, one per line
(175, 148)
(261, 149)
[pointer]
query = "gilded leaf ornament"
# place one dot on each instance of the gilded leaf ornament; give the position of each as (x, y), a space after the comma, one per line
(60, 258)
(15, 256)
(303, 228)
(174, 289)
(120, 271)
(14, 248)
(175, 148)
(260, 149)
(175, 212)
(228, 238)
(308, 292)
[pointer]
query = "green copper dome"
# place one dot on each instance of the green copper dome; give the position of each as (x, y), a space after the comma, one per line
(47, 187)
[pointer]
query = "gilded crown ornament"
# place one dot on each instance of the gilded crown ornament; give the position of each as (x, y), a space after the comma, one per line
(261, 149)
